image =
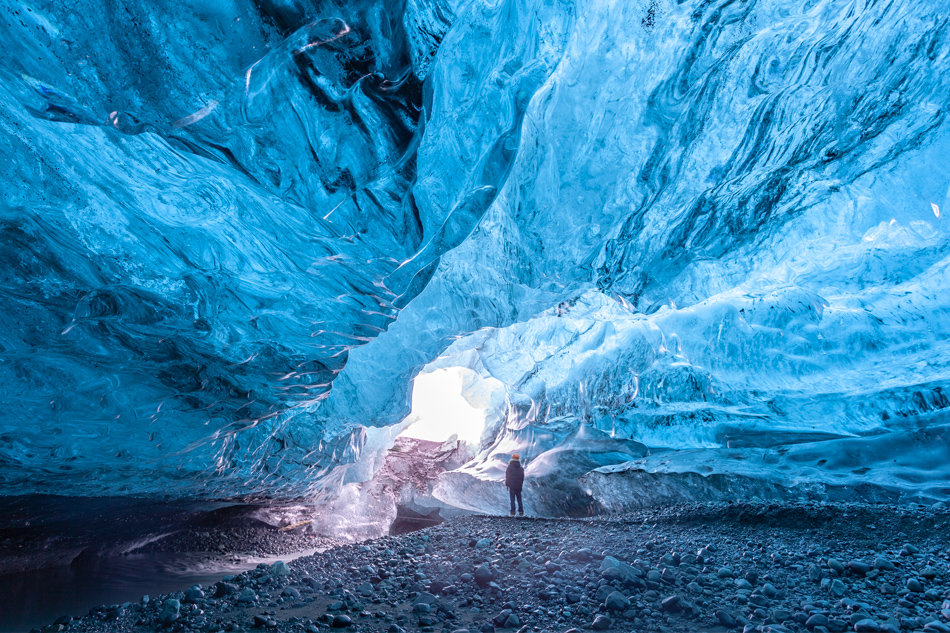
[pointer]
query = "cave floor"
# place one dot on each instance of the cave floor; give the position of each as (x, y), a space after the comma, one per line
(704, 567)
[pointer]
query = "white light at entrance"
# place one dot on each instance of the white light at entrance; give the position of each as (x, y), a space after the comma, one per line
(439, 410)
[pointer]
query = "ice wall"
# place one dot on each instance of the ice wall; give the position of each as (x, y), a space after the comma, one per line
(683, 224)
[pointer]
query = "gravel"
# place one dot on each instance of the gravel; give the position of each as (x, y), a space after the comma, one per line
(752, 567)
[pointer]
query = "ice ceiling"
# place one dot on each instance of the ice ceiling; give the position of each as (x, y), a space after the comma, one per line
(693, 238)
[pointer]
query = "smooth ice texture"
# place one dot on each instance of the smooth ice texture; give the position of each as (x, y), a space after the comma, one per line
(232, 233)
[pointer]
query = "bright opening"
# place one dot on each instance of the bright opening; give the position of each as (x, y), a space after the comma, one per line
(439, 410)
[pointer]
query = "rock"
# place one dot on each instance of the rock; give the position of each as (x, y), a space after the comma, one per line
(426, 598)
(858, 567)
(866, 625)
(483, 575)
(194, 594)
(671, 604)
(290, 592)
(908, 550)
(602, 592)
(247, 595)
(601, 623)
(280, 568)
(341, 621)
(781, 615)
(262, 621)
(835, 565)
(759, 600)
(837, 625)
(395, 628)
(483, 544)
(816, 620)
(223, 589)
(929, 572)
(838, 588)
(882, 564)
(421, 608)
(726, 619)
(512, 622)
(936, 627)
(725, 572)
(171, 609)
(914, 585)
(616, 601)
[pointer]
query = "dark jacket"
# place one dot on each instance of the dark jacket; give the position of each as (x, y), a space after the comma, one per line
(514, 476)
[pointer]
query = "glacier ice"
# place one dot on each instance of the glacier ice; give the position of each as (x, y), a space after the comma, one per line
(655, 233)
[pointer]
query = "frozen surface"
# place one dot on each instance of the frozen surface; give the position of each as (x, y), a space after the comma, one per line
(693, 227)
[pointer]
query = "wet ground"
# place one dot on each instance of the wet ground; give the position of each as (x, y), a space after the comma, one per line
(768, 568)
(64, 555)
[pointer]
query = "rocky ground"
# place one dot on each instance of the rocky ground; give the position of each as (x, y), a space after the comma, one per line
(249, 541)
(716, 567)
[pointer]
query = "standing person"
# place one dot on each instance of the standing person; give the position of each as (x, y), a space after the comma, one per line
(514, 479)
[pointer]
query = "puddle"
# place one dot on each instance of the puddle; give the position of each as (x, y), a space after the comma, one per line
(36, 598)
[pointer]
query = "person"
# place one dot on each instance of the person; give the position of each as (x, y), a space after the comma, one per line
(514, 480)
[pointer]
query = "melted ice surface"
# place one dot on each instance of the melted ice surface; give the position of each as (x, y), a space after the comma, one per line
(232, 234)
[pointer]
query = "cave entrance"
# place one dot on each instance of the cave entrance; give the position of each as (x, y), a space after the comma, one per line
(440, 410)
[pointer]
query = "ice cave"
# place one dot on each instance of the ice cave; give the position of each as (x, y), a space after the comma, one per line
(256, 252)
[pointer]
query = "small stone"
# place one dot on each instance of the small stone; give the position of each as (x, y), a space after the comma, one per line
(247, 595)
(671, 604)
(290, 592)
(483, 544)
(483, 575)
(725, 572)
(170, 611)
(194, 594)
(838, 588)
(858, 567)
(726, 619)
(882, 564)
(601, 623)
(866, 625)
(279, 568)
(929, 572)
(341, 621)
(836, 565)
(816, 620)
(915, 585)
(936, 627)
(616, 601)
